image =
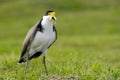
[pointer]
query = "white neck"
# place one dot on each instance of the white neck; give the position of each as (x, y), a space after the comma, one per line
(47, 24)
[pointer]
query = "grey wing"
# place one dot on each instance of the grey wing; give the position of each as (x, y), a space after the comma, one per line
(29, 38)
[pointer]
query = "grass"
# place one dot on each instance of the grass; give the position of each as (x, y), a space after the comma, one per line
(88, 57)
(88, 44)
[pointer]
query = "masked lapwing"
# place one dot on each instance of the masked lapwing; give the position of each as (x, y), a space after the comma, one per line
(39, 38)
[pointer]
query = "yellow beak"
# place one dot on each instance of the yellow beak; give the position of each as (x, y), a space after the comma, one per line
(52, 16)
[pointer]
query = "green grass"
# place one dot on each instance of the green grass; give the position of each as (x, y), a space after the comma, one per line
(88, 44)
(88, 57)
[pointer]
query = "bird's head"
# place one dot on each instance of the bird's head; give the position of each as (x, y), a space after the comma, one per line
(50, 15)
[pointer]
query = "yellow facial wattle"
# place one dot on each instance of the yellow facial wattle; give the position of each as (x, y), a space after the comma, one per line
(52, 16)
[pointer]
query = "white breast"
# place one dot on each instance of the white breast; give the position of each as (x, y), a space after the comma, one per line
(42, 41)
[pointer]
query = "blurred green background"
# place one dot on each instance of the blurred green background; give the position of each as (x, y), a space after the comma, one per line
(75, 17)
(87, 29)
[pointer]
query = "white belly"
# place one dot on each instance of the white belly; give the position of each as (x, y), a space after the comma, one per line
(41, 42)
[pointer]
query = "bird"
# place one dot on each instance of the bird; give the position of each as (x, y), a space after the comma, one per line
(39, 39)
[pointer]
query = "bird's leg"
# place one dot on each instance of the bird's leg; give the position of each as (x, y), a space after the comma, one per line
(26, 65)
(44, 61)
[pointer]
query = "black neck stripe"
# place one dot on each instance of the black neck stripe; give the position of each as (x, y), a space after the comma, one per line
(39, 26)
